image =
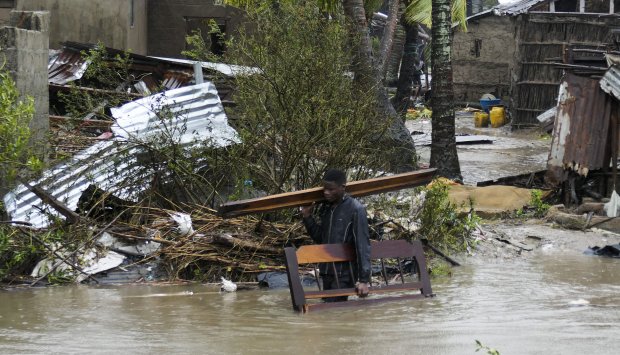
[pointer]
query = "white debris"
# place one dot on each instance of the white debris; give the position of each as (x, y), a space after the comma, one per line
(579, 302)
(90, 261)
(228, 285)
(611, 207)
(184, 222)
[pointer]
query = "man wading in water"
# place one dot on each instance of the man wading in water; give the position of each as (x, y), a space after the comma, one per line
(343, 220)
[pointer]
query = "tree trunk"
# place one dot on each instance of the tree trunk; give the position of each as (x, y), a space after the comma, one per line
(408, 71)
(388, 36)
(443, 149)
(399, 141)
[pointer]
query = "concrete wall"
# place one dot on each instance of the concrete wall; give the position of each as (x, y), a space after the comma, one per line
(168, 23)
(25, 47)
(5, 15)
(483, 58)
(91, 21)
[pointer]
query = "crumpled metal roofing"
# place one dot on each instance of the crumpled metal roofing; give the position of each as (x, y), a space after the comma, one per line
(108, 163)
(581, 128)
(610, 82)
(223, 68)
(515, 8)
(69, 65)
(66, 66)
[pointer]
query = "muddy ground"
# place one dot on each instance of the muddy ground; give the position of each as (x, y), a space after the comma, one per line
(511, 153)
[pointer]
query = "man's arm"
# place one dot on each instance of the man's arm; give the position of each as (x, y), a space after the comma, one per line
(362, 248)
(314, 229)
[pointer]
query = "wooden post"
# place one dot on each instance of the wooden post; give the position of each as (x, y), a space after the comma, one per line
(292, 273)
(423, 271)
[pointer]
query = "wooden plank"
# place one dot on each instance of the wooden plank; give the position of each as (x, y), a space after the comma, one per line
(292, 273)
(391, 249)
(372, 290)
(324, 253)
(309, 196)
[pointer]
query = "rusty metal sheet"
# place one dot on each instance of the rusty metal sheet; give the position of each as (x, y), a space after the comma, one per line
(580, 134)
(610, 82)
(65, 67)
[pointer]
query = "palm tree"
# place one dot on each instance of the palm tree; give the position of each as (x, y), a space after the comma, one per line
(444, 156)
(443, 13)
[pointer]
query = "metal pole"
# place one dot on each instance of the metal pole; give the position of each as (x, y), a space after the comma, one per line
(198, 78)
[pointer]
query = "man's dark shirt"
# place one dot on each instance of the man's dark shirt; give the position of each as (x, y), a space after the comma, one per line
(346, 223)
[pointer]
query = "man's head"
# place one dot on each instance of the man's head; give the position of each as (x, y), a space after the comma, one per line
(334, 182)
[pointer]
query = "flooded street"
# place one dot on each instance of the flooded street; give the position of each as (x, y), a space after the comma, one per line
(554, 302)
(511, 153)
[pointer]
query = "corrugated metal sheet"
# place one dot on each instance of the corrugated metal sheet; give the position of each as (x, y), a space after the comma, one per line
(68, 65)
(610, 82)
(199, 118)
(516, 8)
(65, 67)
(580, 134)
(226, 69)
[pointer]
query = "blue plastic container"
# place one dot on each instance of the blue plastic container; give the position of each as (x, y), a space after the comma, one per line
(488, 103)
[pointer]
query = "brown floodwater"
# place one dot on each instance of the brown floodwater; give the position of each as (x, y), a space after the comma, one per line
(551, 303)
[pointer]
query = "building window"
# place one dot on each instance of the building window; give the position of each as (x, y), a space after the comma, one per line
(597, 6)
(567, 6)
(213, 41)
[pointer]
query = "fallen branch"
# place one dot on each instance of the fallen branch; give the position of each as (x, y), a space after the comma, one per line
(440, 253)
(47, 198)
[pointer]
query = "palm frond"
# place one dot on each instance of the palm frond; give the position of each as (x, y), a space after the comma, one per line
(420, 11)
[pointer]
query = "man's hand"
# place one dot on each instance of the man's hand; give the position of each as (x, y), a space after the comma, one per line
(306, 211)
(362, 289)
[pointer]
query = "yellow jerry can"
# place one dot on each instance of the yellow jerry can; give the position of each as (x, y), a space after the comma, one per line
(498, 117)
(481, 119)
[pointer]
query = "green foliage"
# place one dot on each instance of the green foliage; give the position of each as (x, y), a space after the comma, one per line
(490, 351)
(537, 203)
(419, 11)
(111, 76)
(301, 111)
(15, 117)
(441, 223)
(198, 48)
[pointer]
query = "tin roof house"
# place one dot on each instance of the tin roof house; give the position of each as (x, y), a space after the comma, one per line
(512, 51)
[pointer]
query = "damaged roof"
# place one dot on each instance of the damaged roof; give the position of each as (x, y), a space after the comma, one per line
(197, 118)
(515, 8)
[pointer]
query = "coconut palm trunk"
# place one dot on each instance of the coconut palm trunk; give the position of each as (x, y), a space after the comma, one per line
(388, 35)
(443, 149)
(366, 74)
(407, 75)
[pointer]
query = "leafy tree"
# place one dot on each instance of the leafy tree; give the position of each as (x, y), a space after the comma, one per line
(300, 112)
(442, 14)
(15, 116)
(367, 75)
